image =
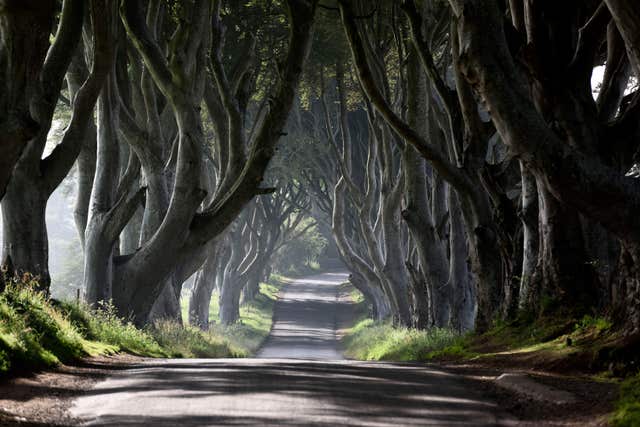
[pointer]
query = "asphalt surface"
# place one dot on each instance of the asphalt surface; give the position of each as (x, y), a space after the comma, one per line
(298, 379)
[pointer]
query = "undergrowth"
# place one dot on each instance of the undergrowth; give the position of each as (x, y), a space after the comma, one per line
(33, 333)
(256, 318)
(104, 325)
(37, 332)
(627, 411)
(189, 341)
(382, 341)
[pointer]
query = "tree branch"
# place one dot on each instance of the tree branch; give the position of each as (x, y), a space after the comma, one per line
(448, 171)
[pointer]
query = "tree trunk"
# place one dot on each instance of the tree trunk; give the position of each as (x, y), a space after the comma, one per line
(99, 247)
(25, 229)
(130, 238)
(418, 215)
(373, 295)
(566, 277)
(76, 75)
(363, 276)
(167, 306)
(461, 285)
(25, 28)
(486, 264)
(251, 290)
(530, 238)
(230, 302)
(203, 286)
(394, 267)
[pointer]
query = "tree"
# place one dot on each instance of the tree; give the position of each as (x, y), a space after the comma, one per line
(562, 142)
(141, 276)
(35, 178)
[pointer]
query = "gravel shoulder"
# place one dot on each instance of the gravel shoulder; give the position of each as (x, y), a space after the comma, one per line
(44, 398)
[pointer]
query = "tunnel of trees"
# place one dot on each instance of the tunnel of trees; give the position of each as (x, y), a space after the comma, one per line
(466, 160)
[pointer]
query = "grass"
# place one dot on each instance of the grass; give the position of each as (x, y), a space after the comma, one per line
(256, 317)
(103, 325)
(37, 333)
(545, 340)
(627, 410)
(162, 339)
(368, 340)
(34, 334)
(189, 341)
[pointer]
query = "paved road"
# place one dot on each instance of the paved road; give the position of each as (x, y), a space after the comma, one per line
(311, 388)
(306, 319)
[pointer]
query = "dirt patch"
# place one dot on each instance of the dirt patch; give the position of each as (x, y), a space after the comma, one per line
(594, 399)
(43, 399)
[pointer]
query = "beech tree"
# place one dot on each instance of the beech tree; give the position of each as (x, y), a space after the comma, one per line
(141, 276)
(454, 151)
(33, 87)
(548, 118)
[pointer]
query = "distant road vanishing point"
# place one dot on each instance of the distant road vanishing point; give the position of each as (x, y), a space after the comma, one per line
(299, 378)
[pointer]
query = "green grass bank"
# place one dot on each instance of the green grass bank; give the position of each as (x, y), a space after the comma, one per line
(37, 332)
(256, 317)
(584, 346)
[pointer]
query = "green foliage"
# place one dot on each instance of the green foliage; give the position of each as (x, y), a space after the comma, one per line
(356, 296)
(256, 318)
(104, 325)
(188, 341)
(300, 255)
(627, 411)
(33, 334)
(600, 324)
(382, 341)
(455, 351)
(163, 339)
(36, 332)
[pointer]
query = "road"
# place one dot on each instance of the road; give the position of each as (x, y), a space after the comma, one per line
(298, 379)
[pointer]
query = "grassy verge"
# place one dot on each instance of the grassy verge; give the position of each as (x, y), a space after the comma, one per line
(369, 340)
(584, 345)
(36, 333)
(256, 317)
(627, 412)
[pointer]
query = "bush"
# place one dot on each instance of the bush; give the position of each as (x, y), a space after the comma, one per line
(382, 341)
(599, 324)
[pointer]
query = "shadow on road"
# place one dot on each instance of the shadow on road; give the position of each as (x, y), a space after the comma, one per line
(261, 392)
(299, 378)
